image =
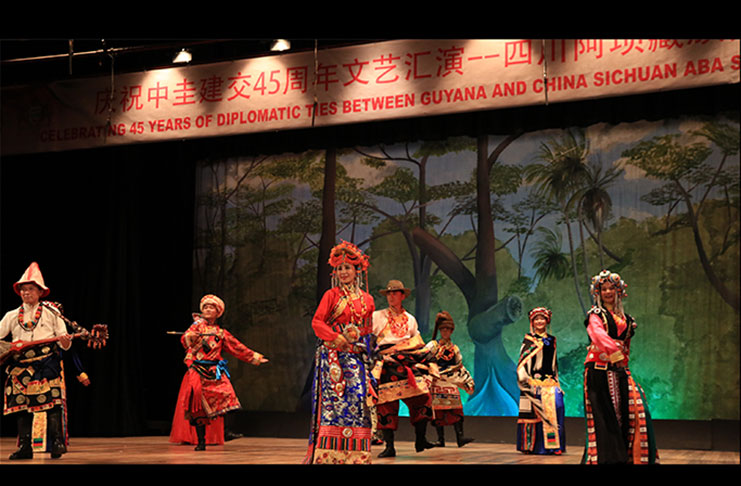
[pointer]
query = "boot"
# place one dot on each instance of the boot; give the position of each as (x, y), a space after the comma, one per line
(54, 417)
(458, 427)
(388, 438)
(201, 434)
(25, 451)
(377, 438)
(440, 437)
(420, 441)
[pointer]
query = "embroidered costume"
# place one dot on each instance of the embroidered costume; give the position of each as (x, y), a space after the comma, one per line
(341, 423)
(402, 371)
(206, 393)
(619, 427)
(447, 407)
(540, 424)
(35, 388)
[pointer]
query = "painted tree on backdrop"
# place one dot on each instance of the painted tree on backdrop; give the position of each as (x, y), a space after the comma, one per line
(496, 390)
(487, 314)
(564, 176)
(250, 202)
(221, 182)
(691, 179)
(413, 196)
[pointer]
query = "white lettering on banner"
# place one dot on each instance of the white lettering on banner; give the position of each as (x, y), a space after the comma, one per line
(372, 82)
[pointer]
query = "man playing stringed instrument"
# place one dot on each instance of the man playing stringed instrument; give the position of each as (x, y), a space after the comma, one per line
(35, 388)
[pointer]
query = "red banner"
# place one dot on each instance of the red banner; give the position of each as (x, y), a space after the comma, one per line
(372, 82)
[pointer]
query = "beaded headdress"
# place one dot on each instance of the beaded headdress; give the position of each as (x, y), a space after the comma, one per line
(346, 252)
(607, 276)
(539, 311)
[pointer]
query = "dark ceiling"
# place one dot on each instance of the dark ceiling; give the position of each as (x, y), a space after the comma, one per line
(27, 61)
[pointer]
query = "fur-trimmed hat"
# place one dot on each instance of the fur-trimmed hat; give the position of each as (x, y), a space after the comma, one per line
(216, 301)
(32, 275)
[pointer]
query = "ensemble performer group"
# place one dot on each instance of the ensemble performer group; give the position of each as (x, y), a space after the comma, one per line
(366, 362)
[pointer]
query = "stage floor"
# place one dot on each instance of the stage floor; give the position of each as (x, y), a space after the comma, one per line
(278, 451)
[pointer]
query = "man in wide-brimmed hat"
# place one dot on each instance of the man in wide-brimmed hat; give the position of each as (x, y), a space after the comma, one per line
(35, 389)
(402, 349)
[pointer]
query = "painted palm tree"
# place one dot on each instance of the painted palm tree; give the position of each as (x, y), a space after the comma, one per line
(550, 261)
(594, 201)
(558, 177)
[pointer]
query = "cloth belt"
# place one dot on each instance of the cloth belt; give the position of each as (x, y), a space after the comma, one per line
(220, 367)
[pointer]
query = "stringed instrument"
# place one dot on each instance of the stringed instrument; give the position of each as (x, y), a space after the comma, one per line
(96, 338)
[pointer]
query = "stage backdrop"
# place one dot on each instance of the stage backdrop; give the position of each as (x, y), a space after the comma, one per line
(655, 201)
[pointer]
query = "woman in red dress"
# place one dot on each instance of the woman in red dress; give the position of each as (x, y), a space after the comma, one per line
(206, 393)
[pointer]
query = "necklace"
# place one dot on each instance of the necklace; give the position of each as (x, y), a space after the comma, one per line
(352, 294)
(397, 322)
(446, 351)
(29, 326)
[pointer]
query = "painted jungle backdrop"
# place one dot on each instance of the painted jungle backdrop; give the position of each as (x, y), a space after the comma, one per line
(488, 228)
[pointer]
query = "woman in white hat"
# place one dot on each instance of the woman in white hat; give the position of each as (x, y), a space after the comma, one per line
(206, 393)
(43, 405)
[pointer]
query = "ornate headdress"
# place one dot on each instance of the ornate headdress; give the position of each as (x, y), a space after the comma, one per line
(540, 311)
(443, 319)
(346, 252)
(216, 301)
(32, 275)
(607, 276)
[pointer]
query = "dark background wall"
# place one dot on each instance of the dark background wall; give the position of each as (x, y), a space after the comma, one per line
(112, 230)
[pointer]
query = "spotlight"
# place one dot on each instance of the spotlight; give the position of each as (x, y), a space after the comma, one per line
(280, 45)
(182, 57)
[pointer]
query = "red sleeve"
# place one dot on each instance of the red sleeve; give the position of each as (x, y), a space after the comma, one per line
(322, 315)
(191, 331)
(236, 348)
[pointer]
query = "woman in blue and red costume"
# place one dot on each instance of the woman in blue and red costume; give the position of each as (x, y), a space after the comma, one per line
(619, 428)
(206, 393)
(540, 424)
(341, 426)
